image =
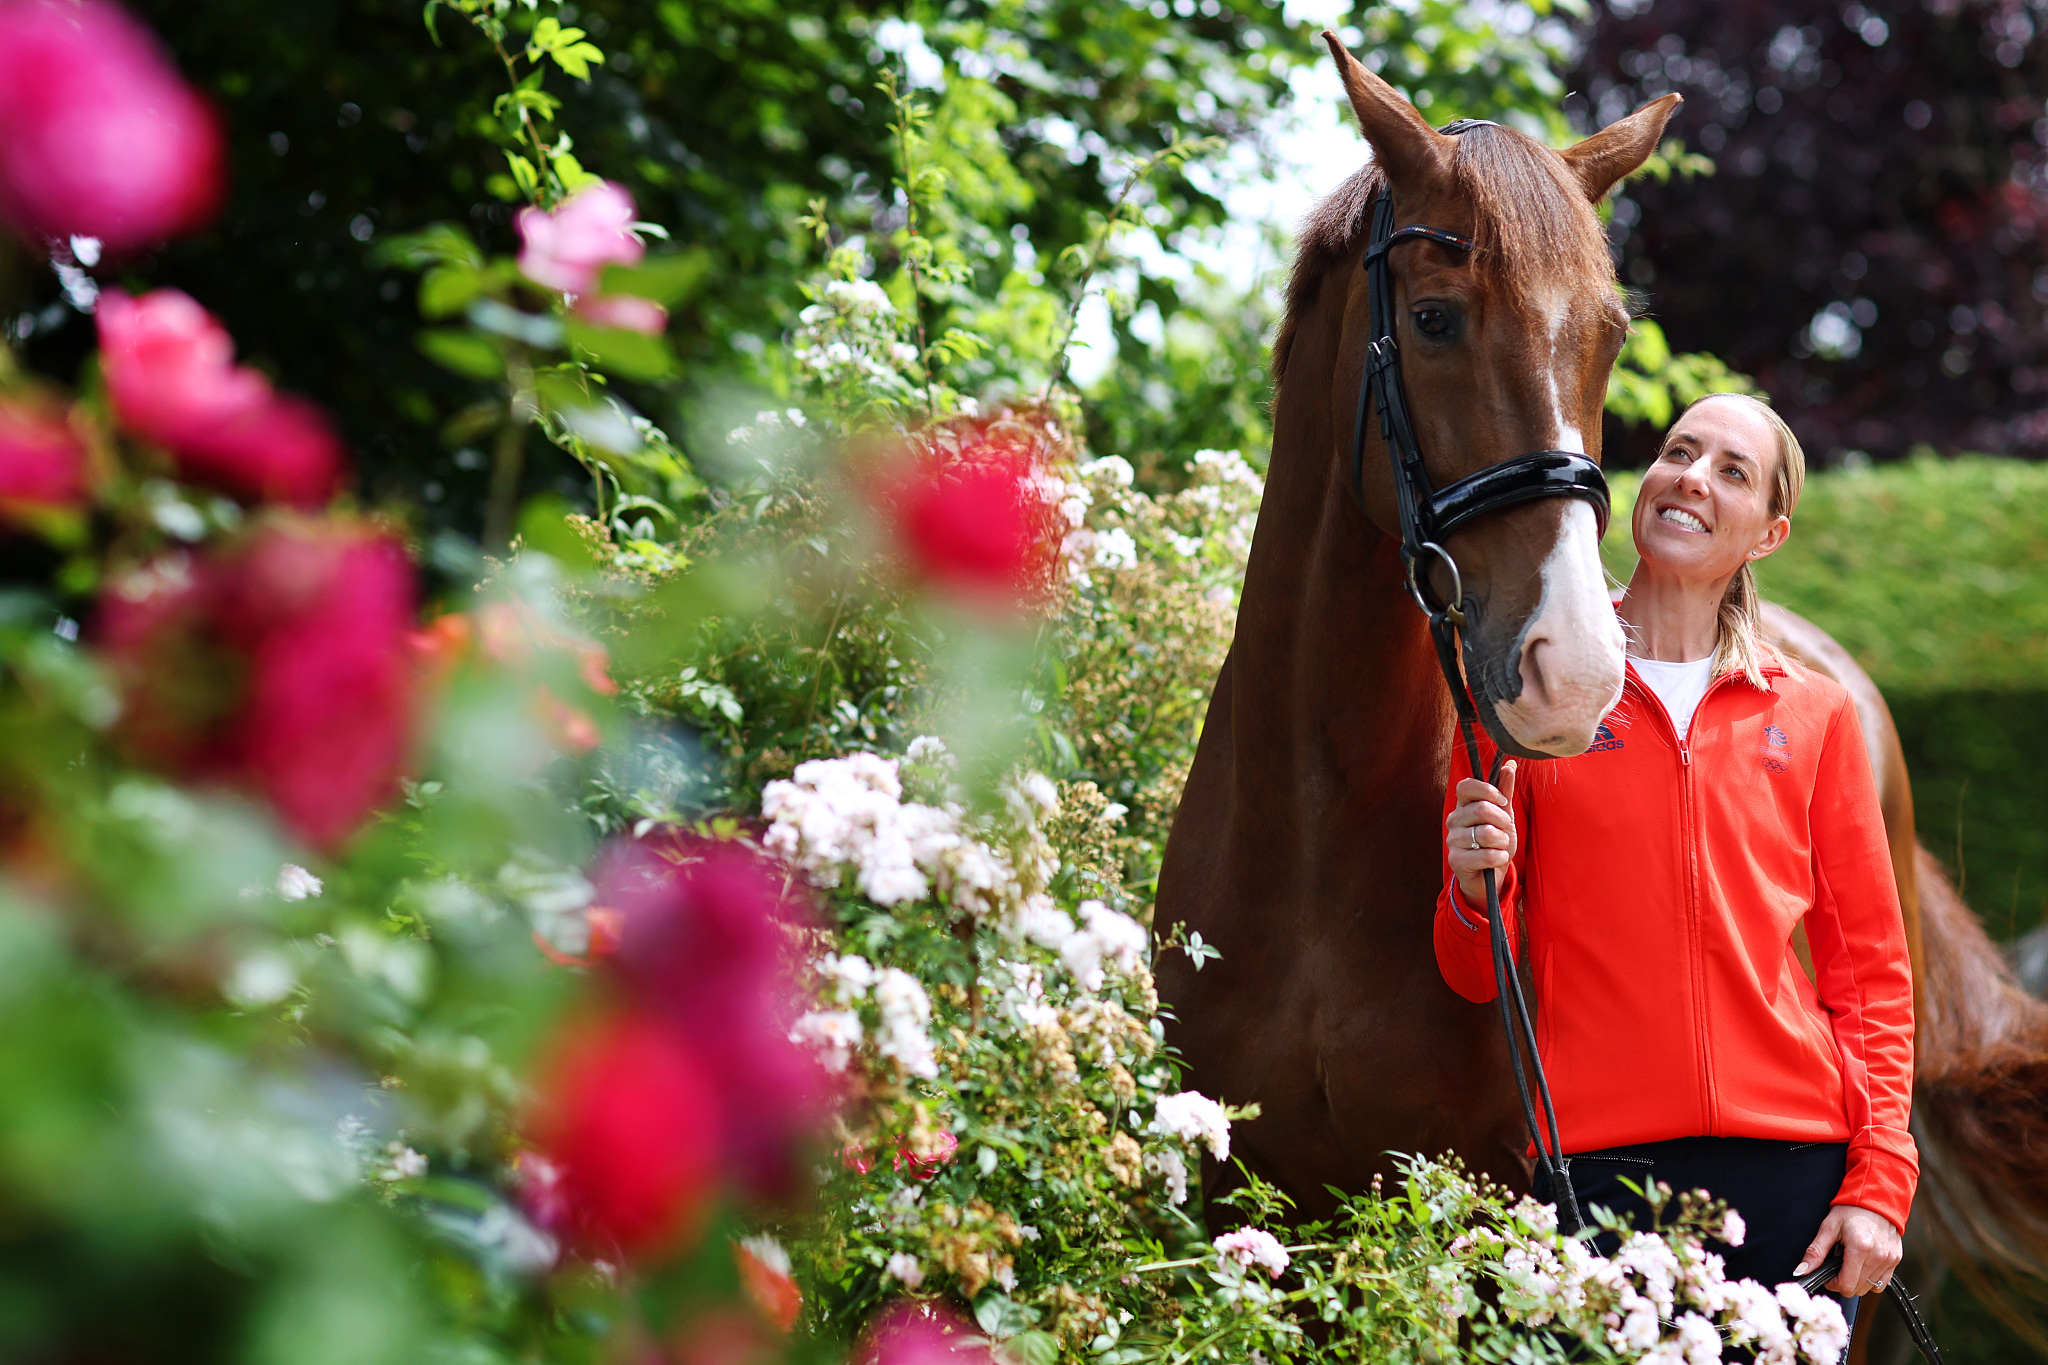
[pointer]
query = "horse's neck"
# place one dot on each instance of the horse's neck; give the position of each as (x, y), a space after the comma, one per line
(1334, 680)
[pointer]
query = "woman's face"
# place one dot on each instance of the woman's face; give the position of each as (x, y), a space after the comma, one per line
(1705, 503)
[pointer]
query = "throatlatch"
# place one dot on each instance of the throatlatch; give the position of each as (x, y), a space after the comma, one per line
(1427, 520)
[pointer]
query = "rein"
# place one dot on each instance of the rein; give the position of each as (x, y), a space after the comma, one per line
(1429, 518)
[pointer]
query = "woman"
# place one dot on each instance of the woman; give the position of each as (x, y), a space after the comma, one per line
(1660, 877)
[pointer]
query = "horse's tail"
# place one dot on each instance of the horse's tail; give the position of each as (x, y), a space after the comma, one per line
(1981, 1108)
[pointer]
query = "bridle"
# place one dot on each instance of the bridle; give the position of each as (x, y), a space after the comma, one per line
(1429, 518)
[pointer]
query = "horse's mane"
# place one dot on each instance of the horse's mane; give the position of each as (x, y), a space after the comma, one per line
(1531, 222)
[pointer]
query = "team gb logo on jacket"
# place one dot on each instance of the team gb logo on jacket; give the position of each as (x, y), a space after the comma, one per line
(1776, 749)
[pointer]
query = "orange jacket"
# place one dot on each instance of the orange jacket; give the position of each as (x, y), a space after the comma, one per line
(1660, 883)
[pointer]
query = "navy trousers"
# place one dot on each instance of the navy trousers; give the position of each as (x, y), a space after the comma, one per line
(1783, 1191)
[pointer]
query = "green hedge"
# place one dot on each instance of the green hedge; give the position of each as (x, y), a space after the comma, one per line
(1934, 574)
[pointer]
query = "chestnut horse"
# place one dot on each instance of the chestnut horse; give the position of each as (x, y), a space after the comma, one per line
(1307, 843)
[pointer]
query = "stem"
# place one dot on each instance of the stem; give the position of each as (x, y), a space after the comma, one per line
(540, 152)
(1204, 1260)
(1137, 177)
(903, 142)
(963, 930)
(509, 459)
(507, 464)
(824, 646)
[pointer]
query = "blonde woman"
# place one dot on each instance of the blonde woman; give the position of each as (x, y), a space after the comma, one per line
(1654, 883)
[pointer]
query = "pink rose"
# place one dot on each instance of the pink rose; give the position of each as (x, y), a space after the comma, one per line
(967, 514)
(704, 928)
(629, 1125)
(42, 461)
(944, 1146)
(568, 248)
(171, 374)
(98, 136)
(912, 1333)
(280, 664)
(626, 312)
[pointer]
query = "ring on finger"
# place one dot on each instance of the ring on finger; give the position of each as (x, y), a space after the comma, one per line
(1475, 838)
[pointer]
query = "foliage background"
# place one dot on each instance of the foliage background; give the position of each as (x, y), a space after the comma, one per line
(728, 118)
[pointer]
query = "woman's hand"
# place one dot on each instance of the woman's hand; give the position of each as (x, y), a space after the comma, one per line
(1871, 1248)
(1480, 833)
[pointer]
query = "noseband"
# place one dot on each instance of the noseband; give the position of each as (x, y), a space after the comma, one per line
(1428, 519)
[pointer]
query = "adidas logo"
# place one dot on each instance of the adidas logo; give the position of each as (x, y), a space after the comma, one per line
(1604, 740)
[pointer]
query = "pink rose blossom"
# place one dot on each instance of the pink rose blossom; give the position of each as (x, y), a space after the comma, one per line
(625, 312)
(920, 1334)
(1254, 1247)
(98, 136)
(629, 1125)
(703, 932)
(568, 248)
(944, 1146)
(171, 374)
(42, 461)
(279, 664)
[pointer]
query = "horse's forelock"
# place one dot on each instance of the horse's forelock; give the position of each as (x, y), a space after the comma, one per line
(1532, 226)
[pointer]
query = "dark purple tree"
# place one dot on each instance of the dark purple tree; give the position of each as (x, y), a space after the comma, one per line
(1871, 247)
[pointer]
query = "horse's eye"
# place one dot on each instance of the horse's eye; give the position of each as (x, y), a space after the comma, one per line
(1434, 323)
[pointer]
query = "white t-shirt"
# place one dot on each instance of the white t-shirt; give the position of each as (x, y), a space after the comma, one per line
(1678, 686)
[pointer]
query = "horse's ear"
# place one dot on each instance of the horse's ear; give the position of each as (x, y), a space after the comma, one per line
(1402, 140)
(1602, 160)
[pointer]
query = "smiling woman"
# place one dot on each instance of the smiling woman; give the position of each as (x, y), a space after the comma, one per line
(1718, 498)
(1737, 783)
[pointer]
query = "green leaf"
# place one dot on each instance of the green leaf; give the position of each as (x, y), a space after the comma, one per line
(576, 60)
(544, 526)
(462, 351)
(446, 290)
(630, 355)
(523, 173)
(1031, 1348)
(438, 244)
(571, 173)
(666, 280)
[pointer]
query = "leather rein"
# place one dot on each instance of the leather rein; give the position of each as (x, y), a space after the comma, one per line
(1428, 519)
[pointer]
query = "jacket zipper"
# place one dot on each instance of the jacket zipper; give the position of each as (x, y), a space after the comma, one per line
(1689, 835)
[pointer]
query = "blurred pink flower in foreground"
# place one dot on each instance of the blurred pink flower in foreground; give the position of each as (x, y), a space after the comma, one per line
(171, 373)
(701, 942)
(920, 1334)
(42, 461)
(98, 136)
(625, 312)
(628, 1124)
(279, 663)
(568, 248)
(964, 501)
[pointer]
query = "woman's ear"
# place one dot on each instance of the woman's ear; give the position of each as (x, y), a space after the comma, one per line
(1775, 534)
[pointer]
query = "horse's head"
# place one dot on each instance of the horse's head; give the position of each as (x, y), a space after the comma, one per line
(1505, 350)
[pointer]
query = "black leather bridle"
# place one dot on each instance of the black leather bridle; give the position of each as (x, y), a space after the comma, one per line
(1428, 519)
